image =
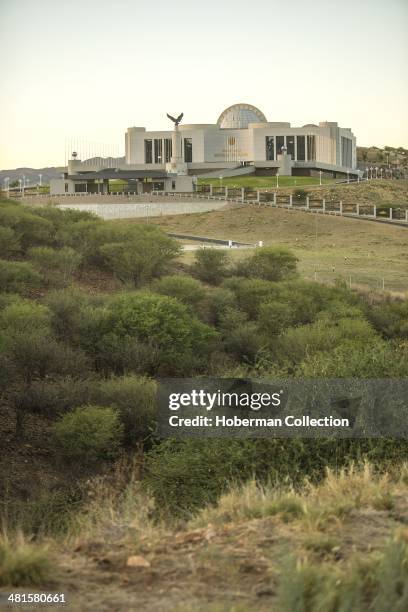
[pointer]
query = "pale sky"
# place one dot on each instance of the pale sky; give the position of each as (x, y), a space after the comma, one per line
(92, 68)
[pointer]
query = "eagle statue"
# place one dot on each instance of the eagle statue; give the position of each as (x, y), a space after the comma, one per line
(176, 121)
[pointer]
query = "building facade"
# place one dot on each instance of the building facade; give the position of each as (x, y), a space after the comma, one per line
(242, 136)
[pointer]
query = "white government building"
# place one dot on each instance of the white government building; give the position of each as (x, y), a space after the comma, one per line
(243, 135)
(241, 138)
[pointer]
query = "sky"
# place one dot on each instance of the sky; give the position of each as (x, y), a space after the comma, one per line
(88, 69)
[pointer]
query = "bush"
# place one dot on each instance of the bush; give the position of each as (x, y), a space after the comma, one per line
(56, 265)
(211, 265)
(18, 277)
(68, 310)
(182, 341)
(184, 288)
(390, 318)
(31, 229)
(139, 254)
(269, 263)
(24, 316)
(134, 398)
(23, 563)
(89, 433)
(243, 342)
(250, 293)
(9, 242)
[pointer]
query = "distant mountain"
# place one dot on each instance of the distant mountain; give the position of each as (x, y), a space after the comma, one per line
(32, 174)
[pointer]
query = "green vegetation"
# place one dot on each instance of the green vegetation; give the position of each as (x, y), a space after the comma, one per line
(265, 182)
(89, 433)
(92, 313)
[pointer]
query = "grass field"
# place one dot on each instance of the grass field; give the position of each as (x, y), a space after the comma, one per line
(265, 182)
(328, 247)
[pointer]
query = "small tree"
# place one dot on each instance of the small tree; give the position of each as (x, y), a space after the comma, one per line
(269, 263)
(211, 265)
(89, 433)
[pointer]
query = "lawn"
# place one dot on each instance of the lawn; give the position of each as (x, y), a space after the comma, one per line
(265, 182)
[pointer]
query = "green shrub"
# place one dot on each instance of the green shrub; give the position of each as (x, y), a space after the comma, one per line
(89, 433)
(18, 277)
(390, 318)
(243, 342)
(184, 288)
(9, 242)
(139, 254)
(23, 563)
(182, 341)
(68, 309)
(56, 265)
(134, 398)
(210, 265)
(31, 229)
(269, 263)
(23, 316)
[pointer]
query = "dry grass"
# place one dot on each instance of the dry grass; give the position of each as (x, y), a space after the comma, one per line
(23, 563)
(260, 548)
(316, 506)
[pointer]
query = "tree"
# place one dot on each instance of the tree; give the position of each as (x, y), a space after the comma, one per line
(269, 263)
(211, 265)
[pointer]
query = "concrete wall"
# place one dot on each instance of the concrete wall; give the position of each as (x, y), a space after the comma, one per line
(146, 209)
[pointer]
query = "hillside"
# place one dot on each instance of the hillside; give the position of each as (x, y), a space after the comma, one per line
(329, 246)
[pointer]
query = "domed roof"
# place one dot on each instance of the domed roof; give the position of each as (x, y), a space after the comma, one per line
(238, 116)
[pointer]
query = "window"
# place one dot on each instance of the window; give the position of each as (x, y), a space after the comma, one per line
(173, 184)
(270, 147)
(280, 142)
(66, 187)
(148, 144)
(188, 150)
(290, 144)
(311, 148)
(301, 148)
(158, 151)
(167, 149)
